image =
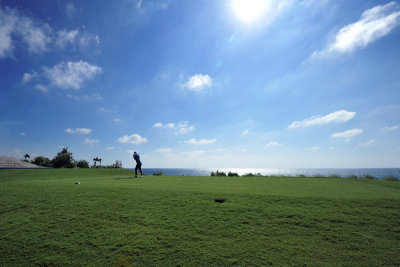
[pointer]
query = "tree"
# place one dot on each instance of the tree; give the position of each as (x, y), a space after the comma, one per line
(117, 164)
(27, 156)
(42, 161)
(64, 159)
(82, 164)
(95, 160)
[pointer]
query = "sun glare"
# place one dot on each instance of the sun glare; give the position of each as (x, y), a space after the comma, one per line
(249, 10)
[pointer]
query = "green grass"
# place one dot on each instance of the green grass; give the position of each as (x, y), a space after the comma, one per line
(113, 219)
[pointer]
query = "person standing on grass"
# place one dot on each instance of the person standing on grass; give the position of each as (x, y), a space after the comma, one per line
(138, 164)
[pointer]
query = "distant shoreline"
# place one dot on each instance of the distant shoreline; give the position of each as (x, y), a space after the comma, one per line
(379, 173)
(365, 173)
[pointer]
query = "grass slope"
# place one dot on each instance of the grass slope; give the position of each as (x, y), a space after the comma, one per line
(112, 219)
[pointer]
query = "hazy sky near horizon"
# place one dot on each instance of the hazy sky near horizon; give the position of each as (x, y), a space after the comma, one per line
(203, 83)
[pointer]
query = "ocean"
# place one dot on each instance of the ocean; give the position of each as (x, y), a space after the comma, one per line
(379, 173)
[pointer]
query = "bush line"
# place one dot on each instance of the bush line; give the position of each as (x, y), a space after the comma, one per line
(366, 176)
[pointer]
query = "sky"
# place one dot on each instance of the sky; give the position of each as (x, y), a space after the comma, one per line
(203, 83)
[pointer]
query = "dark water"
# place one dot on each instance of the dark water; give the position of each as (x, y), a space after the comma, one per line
(379, 173)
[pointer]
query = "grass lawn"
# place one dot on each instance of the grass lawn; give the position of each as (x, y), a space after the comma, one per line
(113, 219)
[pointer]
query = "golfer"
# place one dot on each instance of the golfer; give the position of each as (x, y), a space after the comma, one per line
(138, 164)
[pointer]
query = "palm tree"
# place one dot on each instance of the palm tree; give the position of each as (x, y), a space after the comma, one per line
(27, 156)
(95, 160)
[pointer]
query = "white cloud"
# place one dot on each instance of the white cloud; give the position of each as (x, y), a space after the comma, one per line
(22, 31)
(8, 20)
(179, 128)
(22, 134)
(88, 97)
(109, 148)
(245, 132)
(337, 116)
(373, 24)
(274, 144)
(313, 3)
(91, 142)
(64, 37)
(76, 37)
(130, 151)
(347, 134)
(87, 40)
(194, 153)
(104, 110)
(198, 82)
(150, 5)
(78, 131)
(5, 41)
(388, 129)
(219, 150)
(183, 128)
(27, 77)
(70, 9)
(93, 96)
(41, 88)
(201, 141)
(117, 120)
(37, 35)
(135, 139)
(71, 74)
(164, 150)
(315, 148)
(368, 143)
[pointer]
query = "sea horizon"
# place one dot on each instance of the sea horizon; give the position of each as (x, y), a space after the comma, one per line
(379, 173)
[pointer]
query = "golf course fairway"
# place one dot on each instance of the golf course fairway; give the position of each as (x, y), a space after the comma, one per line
(113, 219)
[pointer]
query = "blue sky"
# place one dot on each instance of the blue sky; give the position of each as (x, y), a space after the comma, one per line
(219, 84)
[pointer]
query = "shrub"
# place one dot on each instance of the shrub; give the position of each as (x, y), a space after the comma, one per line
(117, 164)
(249, 175)
(42, 161)
(370, 177)
(233, 174)
(391, 178)
(82, 164)
(218, 173)
(352, 177)
(157, 174)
